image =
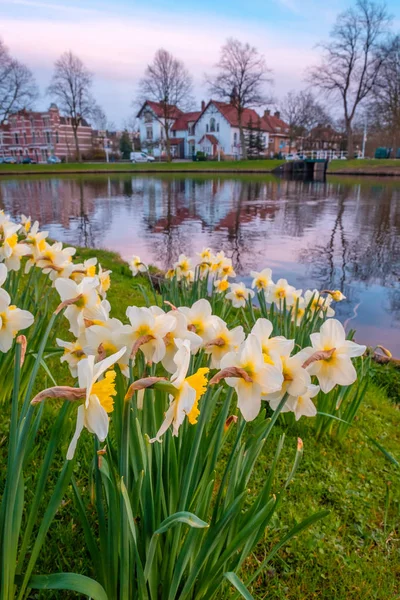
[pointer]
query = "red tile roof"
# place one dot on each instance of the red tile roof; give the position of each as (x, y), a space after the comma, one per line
(211, 138)
(231, 115)
(182, 122)
(275, 124)
(158, 108)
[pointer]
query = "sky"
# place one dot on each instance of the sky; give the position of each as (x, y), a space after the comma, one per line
(116, 40)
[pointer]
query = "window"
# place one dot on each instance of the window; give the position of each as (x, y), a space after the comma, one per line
(217, 126)
(148, 117)
(48, 137)
(235, 138)
(33, 137)
(16, 138)
(25, 140)
(174, 133)
(57, 137)
(207, 127)
(212, 124)
(149, 133)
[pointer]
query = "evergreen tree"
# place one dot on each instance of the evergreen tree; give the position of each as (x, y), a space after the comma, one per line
(125, 145)
(250, 139)
(259, 139)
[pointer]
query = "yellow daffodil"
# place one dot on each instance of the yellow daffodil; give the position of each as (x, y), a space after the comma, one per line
(12, 320)
(261, 280)
(239, 294)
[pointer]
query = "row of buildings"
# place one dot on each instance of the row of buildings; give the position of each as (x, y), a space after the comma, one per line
(40, 135)
(214, 130)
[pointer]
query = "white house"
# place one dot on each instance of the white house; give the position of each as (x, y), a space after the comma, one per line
(214, 130)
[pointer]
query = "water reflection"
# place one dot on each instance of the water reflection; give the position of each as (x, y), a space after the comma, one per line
(342, 234)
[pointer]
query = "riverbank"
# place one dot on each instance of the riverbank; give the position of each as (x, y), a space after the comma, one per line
(367, 166)
(336, 167)
(243, 166)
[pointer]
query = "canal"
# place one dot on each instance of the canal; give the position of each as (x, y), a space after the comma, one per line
(343, 233)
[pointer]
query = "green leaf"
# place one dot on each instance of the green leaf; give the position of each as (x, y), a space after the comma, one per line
(239, 585)
(391, 458)
(69, 581)
(181, 517)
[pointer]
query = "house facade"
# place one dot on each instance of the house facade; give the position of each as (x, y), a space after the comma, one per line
(214, 130)
(279, 139)
(39, 135)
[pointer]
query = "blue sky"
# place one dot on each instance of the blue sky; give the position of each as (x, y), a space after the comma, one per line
(117, 39)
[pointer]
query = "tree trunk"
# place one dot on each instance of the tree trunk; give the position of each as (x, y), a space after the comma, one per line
(168, 146)
(242, 142)
(77, 149)
(350, 141)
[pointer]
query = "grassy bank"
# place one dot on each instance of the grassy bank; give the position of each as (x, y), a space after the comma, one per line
(365, 167)
(351, 554)
(256, 166)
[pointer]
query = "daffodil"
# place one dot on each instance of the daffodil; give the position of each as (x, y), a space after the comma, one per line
(86, 302)
(12, 320)
(103, 338)
(183, 266)
(298, 310)
(180, 331)
(183, 401)
(226, 268)
(86, 269)
(97, 395)
(272, 347)
(56, 261)
(318, 304)
(11, 250)
(279, 292)
(3, 274)
(239, 294)
(337, 295)
(104, 281)
(148, 328)
(136, 266)
(221, 285)
(253, 379)
(26, 223)
(73, 353)
(226, 340)
(200, 319)
(296, 379)
(205, 255)
(261, 280)
(302, 405)
(336, 367)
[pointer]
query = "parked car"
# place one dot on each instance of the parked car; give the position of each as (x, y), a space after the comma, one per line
(140, 157)
(53, 160)
(9, 160)
(27, 160)
(292, 157)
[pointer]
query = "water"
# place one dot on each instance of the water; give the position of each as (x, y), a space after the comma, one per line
(340, 234)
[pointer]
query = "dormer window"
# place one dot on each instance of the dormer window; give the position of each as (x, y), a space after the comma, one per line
(148, 117)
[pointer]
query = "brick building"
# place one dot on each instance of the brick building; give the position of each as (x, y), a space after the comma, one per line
(39, 135)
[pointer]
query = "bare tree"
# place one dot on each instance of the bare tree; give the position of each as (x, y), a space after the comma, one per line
(71, 87)
(384, 108)
(18, 88)
(167, 82)
(352, 60)
(241, 78)
(302, 112)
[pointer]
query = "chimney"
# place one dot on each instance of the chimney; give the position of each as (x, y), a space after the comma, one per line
(203, 105)
(267, 112)
(277, 114)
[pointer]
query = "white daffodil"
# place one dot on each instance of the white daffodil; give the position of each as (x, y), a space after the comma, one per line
(200, 319)
(148, 328)
(12, 320)
(97, 396)
(182, 332)
(26, 223)
(298, 310)
(104, 281)
(302, 405)
(280, 291)
(136, 266)
(261, 280)
(73, 353)
(272, 348)
(337, 295)
(12, 250)
(183, 266)
(221, 285)
(3, 274)
(318, 304)
(239, 294)
(170, 274)
(336, 368)
(86, 269)
(87, 304)
(217, 261)
(225, 341)
(226, 269)
(254, 378)
(295, 378)
(105, 338)
(56, 261)
(205, 255)
(183, 402)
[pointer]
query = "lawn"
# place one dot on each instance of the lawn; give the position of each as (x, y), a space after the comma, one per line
(208, 166)
(352, 554)
(367, 166)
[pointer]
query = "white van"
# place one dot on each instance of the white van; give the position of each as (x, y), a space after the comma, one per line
(140, 157)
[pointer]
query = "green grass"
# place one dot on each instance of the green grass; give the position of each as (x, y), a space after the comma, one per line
(209, 166)
(352, 554)
(368, 166)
